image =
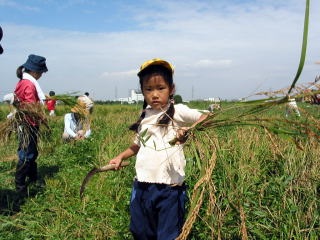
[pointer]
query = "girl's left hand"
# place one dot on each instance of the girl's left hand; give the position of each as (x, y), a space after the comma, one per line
(182, 135)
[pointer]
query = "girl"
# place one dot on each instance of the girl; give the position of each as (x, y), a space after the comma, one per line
(158, 194)
(28, 94)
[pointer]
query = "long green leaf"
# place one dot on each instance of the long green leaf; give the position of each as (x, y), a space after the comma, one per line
(304, 46)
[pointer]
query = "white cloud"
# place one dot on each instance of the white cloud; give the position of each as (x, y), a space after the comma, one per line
(207, 63)
(217, 49)
(18, 6)
(119, 75)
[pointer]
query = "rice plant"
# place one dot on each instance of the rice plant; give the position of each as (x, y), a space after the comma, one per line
(304, 133)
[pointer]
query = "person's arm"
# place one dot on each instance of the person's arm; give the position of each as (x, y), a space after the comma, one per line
(67, 126)
(182, 135)
(129, 152)
(201, 119)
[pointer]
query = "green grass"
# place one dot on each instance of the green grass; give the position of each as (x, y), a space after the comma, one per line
(275, 185)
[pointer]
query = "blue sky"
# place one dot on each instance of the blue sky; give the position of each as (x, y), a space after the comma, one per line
(228, 49)
(87, 16)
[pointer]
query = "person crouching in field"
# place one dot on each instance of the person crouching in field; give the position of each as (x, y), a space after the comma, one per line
(77, 123)
(214, 106)
(51, 104)
(28, 96)
(157, 205)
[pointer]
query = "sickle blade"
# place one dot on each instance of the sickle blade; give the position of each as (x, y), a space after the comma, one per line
(86, 180)
(97, 170)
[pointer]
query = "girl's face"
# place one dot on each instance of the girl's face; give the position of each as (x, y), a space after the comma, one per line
(156, 91)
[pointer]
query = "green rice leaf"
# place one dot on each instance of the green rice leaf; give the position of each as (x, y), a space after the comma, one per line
(304, 46)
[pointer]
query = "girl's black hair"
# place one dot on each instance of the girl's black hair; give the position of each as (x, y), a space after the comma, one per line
(20, 71)
(135, 126)
(166, 117)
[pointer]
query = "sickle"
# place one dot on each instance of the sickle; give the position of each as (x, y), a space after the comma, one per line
(97, 170)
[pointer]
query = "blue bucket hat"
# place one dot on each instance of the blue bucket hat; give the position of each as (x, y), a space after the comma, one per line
(1, 33)
(36, 63)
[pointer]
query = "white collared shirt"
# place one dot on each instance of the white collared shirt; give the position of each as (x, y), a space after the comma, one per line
(157, 161)
(71, 126)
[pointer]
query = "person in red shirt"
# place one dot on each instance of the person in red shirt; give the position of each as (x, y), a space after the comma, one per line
(28, 94)
(51, 104)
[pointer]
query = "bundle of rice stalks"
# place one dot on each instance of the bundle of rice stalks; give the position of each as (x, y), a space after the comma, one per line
(7, 128)
(67, 99)
(22, 121)
(249, 115)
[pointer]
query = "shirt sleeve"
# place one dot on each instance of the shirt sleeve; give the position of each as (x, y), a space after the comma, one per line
(186, 115)
(67, 125)
(88, 133)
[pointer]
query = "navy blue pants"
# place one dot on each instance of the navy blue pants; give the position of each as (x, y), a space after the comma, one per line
(157, 211)
(27, 153)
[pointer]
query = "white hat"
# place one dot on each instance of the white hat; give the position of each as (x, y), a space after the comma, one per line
(87, 102)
